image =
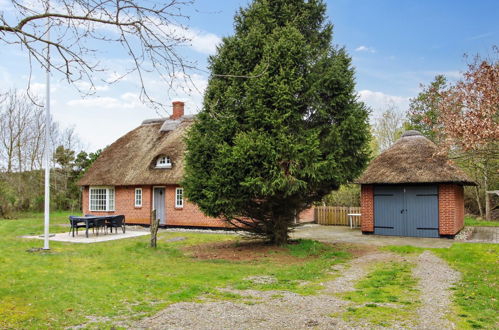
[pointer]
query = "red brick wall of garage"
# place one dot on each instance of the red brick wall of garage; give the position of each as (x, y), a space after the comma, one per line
(125, 204)
(450, 209)
(367, 208)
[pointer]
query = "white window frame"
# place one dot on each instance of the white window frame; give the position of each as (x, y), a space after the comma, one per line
(179, 198)
(110, 199)
(138, 193)
(164, 162)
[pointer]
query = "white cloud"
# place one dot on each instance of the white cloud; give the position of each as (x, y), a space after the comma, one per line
(365, 49)
(379, 101)
(203, 42)
(200, 41)
(125, 101)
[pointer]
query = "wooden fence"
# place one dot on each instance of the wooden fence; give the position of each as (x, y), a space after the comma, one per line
(336, 215)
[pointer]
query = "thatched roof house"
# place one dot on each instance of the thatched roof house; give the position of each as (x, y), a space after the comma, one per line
(412, 190)
(131, 160)
(142, 172)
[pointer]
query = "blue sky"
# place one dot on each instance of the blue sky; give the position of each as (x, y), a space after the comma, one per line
(395, 46)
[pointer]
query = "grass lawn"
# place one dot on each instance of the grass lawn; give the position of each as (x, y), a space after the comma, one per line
(124, 278)
(471, 221)
(387, 294)
(476, 296)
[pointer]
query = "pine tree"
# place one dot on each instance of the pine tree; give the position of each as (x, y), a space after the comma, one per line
(281, 124)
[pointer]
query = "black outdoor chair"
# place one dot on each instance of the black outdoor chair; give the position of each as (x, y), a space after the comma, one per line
(100, 223)
(76, 224)
(117, 221)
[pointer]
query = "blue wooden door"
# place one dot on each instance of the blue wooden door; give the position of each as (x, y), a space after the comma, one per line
(388, 210)
(422, 211)
(406, 210)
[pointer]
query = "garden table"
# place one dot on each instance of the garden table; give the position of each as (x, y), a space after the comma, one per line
(89, 221)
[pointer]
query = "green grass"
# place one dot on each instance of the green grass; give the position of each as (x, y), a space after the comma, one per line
(126, 278)
(476, 296)
(471, 221)
(404, 249)
(387, 294)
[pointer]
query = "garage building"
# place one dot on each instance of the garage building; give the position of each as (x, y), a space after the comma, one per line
(412, 190)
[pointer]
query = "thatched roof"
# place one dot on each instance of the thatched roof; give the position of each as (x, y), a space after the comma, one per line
(132, 158)
(413, 159)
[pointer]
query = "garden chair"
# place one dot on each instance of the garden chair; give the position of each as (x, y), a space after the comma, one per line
(100, 223)
(117, 221)
(75, 224)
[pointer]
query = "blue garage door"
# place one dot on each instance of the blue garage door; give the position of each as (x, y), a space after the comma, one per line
(406, 210)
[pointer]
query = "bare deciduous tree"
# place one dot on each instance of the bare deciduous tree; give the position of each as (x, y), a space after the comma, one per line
(388, 128)
(149, 33)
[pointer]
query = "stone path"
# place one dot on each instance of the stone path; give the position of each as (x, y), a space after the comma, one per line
(435, 279)
(281, 309)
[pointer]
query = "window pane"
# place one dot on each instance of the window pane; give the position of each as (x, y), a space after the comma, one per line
(138, 197)
(110, 199)
(98, 199)
(179, 197)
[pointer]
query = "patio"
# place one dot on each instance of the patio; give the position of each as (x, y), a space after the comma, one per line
(93, 238)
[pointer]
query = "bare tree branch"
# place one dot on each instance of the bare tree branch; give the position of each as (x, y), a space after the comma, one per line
(150, 33)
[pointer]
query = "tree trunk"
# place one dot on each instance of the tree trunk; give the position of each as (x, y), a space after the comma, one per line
(280, 230)
(477, 194)
(486, 188)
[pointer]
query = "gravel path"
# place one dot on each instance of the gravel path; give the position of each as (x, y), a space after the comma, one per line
(271, 309)
(282, 309)
(435, 279)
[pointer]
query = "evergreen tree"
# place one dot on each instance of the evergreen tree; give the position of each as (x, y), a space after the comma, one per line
(281, 124)
(423, 114)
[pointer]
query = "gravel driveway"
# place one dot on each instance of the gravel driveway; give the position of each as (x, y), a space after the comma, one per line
(281, 309)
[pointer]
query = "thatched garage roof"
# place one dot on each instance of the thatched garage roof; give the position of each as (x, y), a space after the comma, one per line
(131, 159)
(413, 159)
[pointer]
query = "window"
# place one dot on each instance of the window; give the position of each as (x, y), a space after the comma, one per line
(138, 197)
(179, 197)
(164, 162)
(101, 199)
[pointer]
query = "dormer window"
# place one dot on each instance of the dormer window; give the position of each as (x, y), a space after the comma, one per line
(164, 162)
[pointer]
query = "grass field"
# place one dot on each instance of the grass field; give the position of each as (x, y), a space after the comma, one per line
(476, 296)
(124, 278)
(471, 221)
(387, 283)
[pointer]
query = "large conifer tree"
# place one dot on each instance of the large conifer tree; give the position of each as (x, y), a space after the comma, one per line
(281, 125)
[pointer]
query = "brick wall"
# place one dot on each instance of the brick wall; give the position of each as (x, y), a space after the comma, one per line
(125, 204)
(367, 208)
(307, 215)
(450, 208)
(189, 215)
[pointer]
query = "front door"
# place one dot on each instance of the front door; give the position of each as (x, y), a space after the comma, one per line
(159, 205)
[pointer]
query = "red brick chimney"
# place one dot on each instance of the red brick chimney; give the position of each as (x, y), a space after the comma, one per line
(178, 110)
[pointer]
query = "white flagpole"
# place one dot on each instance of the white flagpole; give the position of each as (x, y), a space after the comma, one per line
(47, 147)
